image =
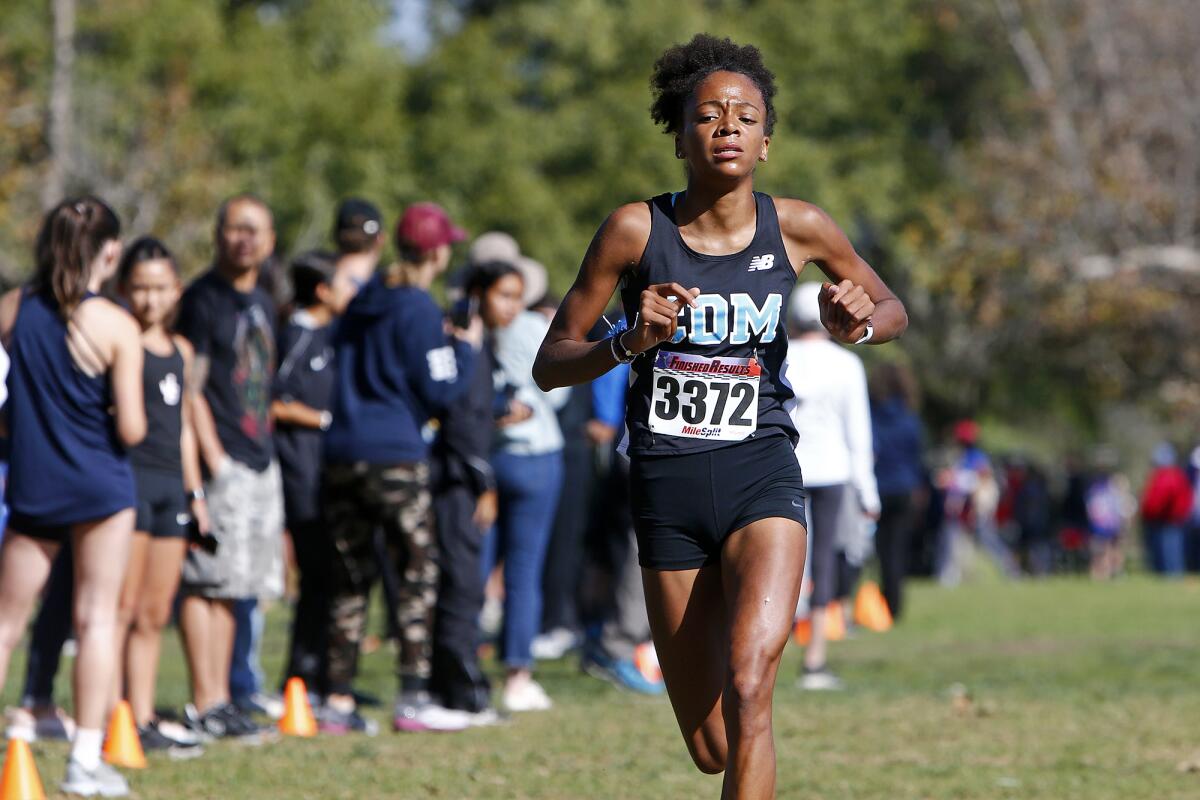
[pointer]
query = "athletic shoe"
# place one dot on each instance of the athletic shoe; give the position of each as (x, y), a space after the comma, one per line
(269, 705)
(526, 696)
(44, 723)
(103, 781)
(487, 718)
(153, 739)
(223, 721)
(819, 680)
(553, 645)
(176, 731)
(330, 720)
(425, 715)
(21, 725)
(622, 673)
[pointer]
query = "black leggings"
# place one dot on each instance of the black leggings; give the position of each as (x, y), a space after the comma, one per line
(825, 505)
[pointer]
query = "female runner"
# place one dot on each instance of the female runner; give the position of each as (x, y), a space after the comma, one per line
(716, 490)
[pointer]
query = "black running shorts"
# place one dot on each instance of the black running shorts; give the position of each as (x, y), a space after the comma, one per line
(685, 506)
(162, 508)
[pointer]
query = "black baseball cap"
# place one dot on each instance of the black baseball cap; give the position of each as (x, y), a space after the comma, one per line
(356, 214)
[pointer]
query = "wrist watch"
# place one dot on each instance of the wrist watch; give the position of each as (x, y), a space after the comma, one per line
(195, 494)
(326, 420)
(866, 337)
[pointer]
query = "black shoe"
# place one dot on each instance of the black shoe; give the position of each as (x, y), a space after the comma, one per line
(238, 723)
(223, 721)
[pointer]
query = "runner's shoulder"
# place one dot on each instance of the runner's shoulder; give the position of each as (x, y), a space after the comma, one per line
(625, 233)
(801, 219)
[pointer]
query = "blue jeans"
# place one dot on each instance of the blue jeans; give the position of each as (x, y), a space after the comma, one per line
(245, 674)
(1165, 546)
(528, 487)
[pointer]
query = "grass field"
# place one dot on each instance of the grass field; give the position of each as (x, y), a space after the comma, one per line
(1076, 690)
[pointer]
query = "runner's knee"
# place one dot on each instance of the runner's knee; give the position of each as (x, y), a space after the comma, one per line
(708, 750)
(750, 678)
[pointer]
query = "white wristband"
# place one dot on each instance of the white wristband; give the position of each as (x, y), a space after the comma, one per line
(866, 337)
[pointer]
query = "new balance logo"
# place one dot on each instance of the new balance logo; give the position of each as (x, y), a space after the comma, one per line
(760, 263)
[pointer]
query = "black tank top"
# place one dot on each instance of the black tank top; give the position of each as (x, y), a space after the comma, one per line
(697, 392)
(162, 379)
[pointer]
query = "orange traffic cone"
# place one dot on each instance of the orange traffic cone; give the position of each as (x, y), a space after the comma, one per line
(803, 631)
(871, 610)
(122, 746)
(835, 622)
(20, 780)
(645, 658)
(297, 719)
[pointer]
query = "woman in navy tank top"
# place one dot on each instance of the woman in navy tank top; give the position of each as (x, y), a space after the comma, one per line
(75, 405)
(717, 495)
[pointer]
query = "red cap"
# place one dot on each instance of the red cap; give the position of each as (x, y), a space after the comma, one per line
(966, 432)
(427, 226)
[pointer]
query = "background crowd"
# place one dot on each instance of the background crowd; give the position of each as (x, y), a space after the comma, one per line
(320, 426)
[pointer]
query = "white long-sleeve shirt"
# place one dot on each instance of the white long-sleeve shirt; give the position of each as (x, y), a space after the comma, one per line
(832, 414)
(516, 349)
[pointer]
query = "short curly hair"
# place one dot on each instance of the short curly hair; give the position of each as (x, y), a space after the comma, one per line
(682, 67)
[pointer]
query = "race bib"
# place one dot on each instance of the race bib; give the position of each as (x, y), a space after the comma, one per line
(704, 398)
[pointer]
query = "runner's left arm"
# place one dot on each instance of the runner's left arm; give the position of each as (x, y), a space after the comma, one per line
(856, 294)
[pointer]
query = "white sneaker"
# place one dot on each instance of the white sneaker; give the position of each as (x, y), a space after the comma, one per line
(553, 645)
(429, 717)
(819, 680)
(21, 725)
(526, 696)
(103, 781)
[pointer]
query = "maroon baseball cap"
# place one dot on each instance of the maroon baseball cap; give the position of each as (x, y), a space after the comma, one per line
(426, 226)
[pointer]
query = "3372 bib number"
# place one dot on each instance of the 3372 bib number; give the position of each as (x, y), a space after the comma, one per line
(704, 398)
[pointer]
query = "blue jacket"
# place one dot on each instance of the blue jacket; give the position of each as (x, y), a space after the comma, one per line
(898, 445)
(396, 368)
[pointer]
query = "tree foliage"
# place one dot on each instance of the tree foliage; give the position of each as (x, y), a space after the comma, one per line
(1025, 174)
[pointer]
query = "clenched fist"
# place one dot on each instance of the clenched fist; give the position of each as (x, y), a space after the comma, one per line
(845, 311)
(658, 316)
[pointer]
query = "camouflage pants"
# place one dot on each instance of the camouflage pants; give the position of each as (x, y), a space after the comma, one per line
(357, 499)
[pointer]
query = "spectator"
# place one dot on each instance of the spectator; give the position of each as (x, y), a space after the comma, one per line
(1033, 514)
(395, 370)
(611, 651)
(1193, 534)
(972, 495)
(167, 472)
(527, 458)
(1166, 507)
(1108, 507)
(833, 419)
(303, 395)
(358, 233)
(898, 437)
(465, 499)
(75, 405)
(229, 321)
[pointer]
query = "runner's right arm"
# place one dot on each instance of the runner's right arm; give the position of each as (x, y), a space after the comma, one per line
(566, 357)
